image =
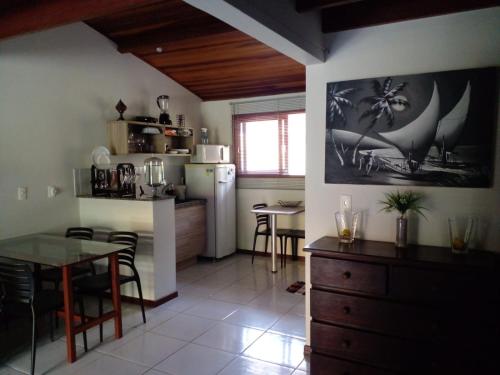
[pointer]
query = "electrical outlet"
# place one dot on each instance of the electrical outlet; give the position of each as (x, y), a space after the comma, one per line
(52, 191)
(22, 193)
(345, 203)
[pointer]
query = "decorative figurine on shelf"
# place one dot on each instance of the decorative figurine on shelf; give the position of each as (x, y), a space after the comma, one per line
(162, 102)
(121, 107)
(402, 202)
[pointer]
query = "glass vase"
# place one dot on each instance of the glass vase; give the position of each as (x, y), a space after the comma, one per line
(460, 230)
(347, 224)
(401, 232)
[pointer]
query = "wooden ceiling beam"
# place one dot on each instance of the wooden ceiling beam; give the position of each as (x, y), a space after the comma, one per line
(302, 6)
(31, 16)
(371, 13)
(249, 93)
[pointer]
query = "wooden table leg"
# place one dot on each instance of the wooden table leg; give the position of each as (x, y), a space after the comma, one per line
(69, 314)
(115, 291)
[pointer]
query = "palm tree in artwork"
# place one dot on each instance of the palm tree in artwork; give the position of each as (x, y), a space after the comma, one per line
(381, 105)
(336, 101)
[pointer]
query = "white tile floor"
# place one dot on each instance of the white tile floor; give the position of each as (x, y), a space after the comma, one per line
(230, 318)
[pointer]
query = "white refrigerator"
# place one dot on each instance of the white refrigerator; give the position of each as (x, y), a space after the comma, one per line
(217, 184)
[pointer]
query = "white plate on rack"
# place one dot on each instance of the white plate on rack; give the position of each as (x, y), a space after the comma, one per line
(100, 157)
(182, 150)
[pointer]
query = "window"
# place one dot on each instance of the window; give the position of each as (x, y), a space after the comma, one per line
(270, 143)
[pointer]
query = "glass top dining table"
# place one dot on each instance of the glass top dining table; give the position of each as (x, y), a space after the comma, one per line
(55, 251)
(64, 253)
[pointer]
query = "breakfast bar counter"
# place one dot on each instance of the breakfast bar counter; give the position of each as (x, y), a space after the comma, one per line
(154, 221)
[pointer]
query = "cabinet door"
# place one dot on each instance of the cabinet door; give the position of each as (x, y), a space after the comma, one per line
(190, 232)
(118, 137)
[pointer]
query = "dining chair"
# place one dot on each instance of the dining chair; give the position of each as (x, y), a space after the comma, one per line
(20, 298)
(54, 274)
(97, 285)
(263, 228)
(294, 235)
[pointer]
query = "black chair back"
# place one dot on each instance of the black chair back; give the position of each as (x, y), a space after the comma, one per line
(80, 233)
(126, 257)
(262, 219)
(16, 283)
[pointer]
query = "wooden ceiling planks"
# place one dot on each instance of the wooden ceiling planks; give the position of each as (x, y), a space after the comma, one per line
(203, 54)
(25, 16)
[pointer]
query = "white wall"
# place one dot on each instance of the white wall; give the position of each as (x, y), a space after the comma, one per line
(216, 116)
(57, 90)
(458, 41)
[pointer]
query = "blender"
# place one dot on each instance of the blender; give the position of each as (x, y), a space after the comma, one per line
(162, 102)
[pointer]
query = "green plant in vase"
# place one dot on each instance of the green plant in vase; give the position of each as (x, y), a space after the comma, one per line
(402, 202)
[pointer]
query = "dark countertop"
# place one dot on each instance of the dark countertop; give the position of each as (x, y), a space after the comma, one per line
(372, 251)
(144, 198)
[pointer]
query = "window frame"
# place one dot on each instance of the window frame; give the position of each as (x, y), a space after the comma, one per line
(264, 116)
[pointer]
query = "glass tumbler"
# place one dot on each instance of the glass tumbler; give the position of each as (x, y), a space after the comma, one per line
(460, 234)
(347, 223)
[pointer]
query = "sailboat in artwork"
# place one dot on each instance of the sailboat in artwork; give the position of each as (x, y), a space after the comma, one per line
(450, 127)
(415, 139)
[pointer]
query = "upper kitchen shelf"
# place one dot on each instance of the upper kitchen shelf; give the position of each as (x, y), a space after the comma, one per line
(134, 137)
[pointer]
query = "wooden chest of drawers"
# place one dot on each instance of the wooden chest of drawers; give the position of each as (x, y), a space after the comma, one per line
(421, 310)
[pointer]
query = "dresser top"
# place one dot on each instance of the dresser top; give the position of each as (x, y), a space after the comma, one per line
(387, 251)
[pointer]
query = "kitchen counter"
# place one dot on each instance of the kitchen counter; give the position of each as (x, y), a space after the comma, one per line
(178, 203)
(154, 221)
(143, 198)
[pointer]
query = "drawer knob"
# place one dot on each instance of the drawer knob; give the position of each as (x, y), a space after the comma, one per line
(346, 309)
(346, 344)
(346, 275)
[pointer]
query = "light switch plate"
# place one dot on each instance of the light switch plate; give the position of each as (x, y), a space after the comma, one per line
(22, 193)
(345, 203)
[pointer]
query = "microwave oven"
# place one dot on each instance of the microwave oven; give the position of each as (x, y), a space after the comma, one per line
(211, 154)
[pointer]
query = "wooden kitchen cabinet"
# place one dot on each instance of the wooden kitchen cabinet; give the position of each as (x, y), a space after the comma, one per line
(190, 232)
(126, 137)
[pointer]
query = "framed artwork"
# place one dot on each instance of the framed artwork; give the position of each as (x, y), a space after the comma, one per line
(434, 129)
